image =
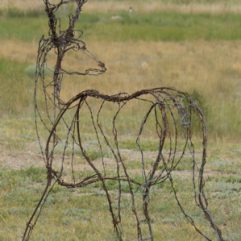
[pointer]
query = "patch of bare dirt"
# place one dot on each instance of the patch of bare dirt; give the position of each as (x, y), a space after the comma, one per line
(20, 159)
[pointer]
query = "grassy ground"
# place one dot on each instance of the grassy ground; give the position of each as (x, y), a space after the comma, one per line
(178, 43)
(82, 214)
(214, 6)
(122, 26)
(211, 71)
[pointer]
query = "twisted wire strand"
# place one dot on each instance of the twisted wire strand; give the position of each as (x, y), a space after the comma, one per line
(168, 116)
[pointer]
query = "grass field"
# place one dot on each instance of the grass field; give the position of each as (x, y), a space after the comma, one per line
(194, 46)
(214, 6)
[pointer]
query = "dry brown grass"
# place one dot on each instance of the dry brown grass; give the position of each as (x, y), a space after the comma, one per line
(206, 66)
(211, 69)
(139, 6)
(96, 6)
(18, 50)
(20, 4)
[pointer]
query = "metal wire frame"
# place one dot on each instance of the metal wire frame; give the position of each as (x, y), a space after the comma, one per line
(169, 113)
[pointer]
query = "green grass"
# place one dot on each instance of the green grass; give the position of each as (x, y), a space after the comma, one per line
(16, 87)
(164, 26)
(74, 215)
(71, 215)
(83, 213)
(157, 26)
(23, 28)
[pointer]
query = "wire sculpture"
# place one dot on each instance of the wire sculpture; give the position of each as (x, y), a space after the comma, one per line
(166, 115)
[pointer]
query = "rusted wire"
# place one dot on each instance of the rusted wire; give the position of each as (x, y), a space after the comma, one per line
(165, 114)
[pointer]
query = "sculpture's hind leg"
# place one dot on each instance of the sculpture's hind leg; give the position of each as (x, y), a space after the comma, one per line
(36, 213)
(198, 182)
(147, 220)
(201, 203)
